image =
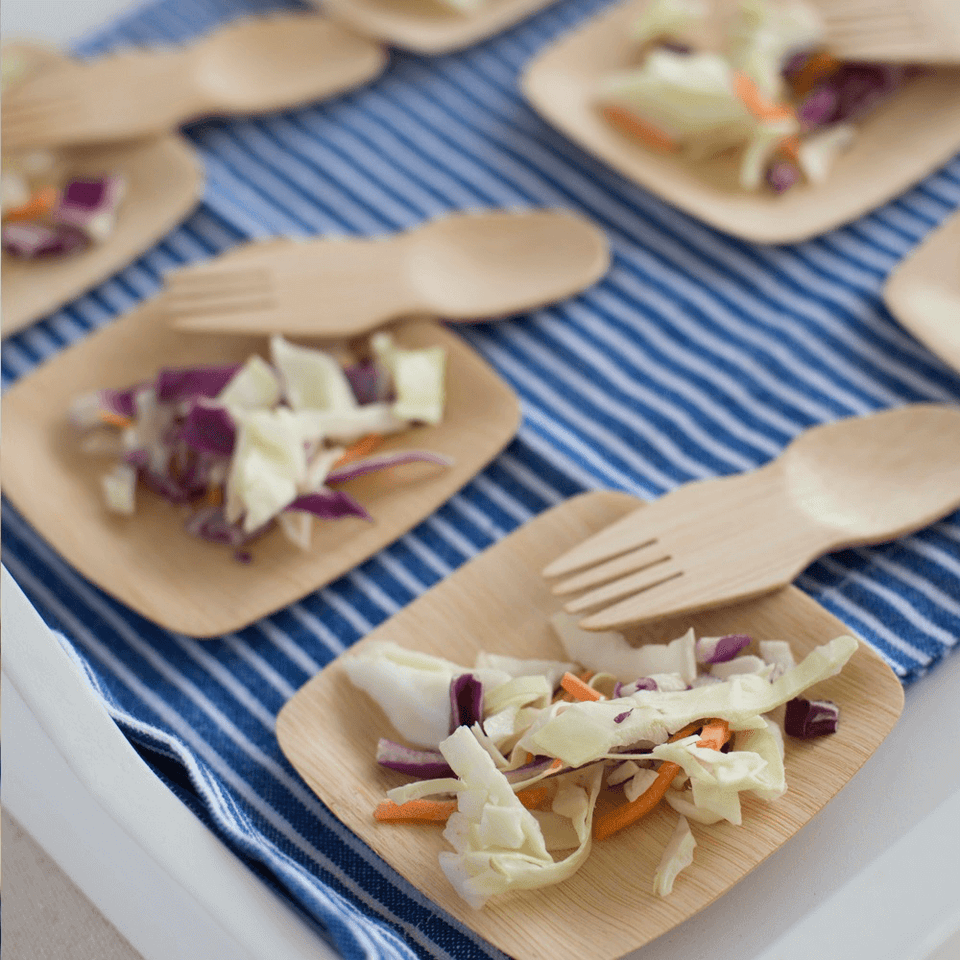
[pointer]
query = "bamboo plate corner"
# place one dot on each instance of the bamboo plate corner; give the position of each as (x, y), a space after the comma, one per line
(923, 293)
(498, 602)
(148, 561)
(427, 26)
(164, 182)
(902, 141)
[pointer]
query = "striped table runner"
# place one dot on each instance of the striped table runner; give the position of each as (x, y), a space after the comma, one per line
(698, 355)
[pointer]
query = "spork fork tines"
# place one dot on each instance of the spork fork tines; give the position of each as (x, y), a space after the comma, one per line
(857, 481)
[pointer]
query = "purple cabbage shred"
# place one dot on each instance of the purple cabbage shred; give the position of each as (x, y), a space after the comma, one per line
(330, 505)
(208, 430)
(426, 764)
(806, 719)
(174, 385)
(712, 650)
(466, 701)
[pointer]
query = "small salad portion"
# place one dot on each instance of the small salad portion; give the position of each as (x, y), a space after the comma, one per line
(529, 762)
(769, 89)
(245, 446)
(46, 211)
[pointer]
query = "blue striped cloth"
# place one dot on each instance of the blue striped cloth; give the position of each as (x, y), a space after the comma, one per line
(698, 355)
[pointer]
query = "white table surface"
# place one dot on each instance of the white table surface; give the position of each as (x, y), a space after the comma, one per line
(874, 877)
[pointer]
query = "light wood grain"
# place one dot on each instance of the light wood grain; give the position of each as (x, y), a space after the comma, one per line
(164, 181)
(252, 65)
(465, 266)
(923, 293)
(856, 481)
(893, 31)
(498, 602)
(148, 561)
(905, 138)
(428, 26)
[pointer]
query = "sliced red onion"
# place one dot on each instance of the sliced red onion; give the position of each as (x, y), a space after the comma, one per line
(90, 206)
(625, 689)
(174, 385)
(29, 241)
(426, 764)
(810, 718)
(720, 649)
(620, 717)
(466, 701)
(382, 461)
(209, 430)
(330, 505)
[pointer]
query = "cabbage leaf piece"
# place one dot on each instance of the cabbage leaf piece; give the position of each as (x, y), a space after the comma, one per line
(677, 855)
(764, 32)
(609, 652)
(583, 732)
(498, 844)
(418, 379)
(689, 97)
(312, 379)
(412, 688)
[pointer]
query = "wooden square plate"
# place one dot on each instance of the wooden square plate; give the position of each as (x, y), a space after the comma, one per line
(923, 293)
(427, 26)
(906, 138)
(164, 182)
(148, 561)
(498, 602)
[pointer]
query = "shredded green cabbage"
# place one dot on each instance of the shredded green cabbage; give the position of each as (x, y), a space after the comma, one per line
(677, 855)
(497, 844)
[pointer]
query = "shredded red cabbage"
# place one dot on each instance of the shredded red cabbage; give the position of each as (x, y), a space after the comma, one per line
(174, 385)
(330, 505)
(806, 719)
(720, 649)
(782, 175)
(381, 461)
(82, 202)
(370, 382)
(28, 241)
(466, 701)
(208, 430)
(426, 764)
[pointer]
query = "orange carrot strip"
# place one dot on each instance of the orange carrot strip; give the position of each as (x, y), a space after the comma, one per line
(714, 734)
(630, 124)
(533, 797)
(361, 448)
(818, 67)
(577, 688)
(415, 811)
(690, 728)
(41, 202)
(112, 419)
(756, 102)
(627, 813)
(789, 148)
(438, 811)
